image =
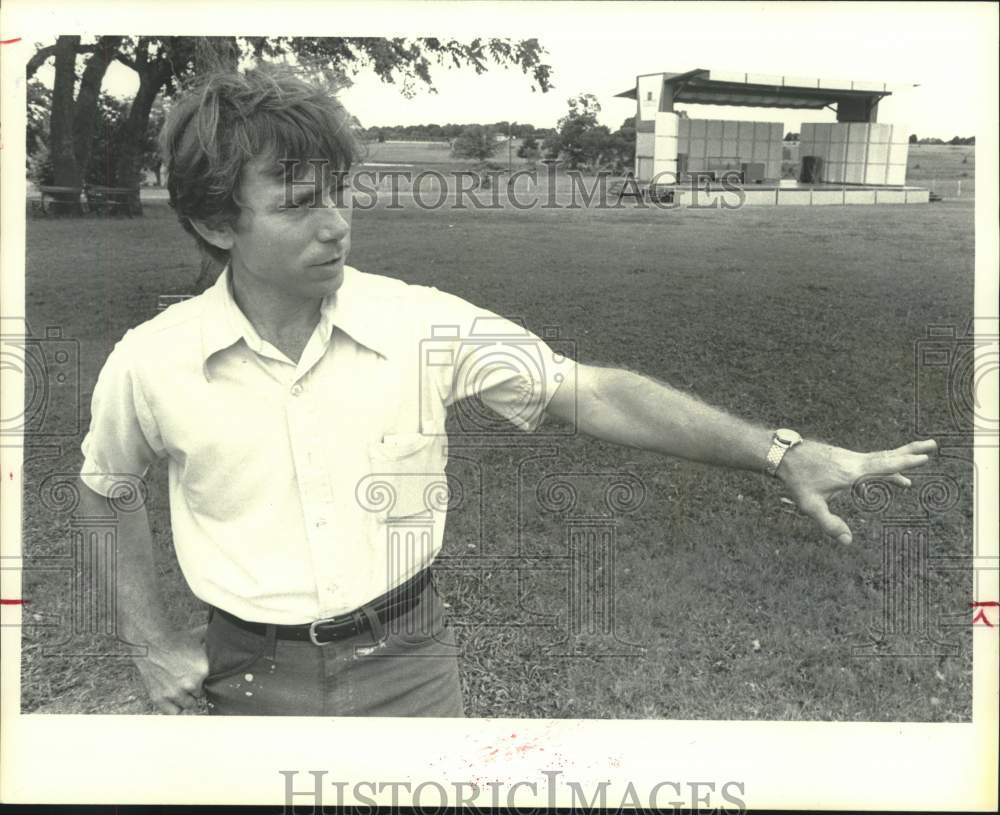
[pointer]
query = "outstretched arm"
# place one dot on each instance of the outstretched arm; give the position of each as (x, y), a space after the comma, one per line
(623, 407)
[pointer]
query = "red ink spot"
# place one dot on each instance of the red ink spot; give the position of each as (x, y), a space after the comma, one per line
(10, 42)
(13, 602)
(980, 616)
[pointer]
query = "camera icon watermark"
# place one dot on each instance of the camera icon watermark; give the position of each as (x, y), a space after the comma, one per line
(499, 375)
(957, 380)
(50, 367)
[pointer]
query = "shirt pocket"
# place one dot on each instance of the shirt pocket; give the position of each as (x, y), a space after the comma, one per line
(406, 477)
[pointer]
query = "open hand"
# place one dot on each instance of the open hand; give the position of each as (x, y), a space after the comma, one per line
(814, 473)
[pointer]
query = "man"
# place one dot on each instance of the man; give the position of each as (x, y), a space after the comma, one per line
(301, 405)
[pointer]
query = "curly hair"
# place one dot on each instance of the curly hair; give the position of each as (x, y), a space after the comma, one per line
(228, 119)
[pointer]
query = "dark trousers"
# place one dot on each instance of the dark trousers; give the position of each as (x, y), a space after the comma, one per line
(409, 667)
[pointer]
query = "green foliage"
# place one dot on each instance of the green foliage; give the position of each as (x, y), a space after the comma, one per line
(476, 142)
(529, 148)
(164, 64)
(101, 168)
(581, 142)
(952, 140)
(40, 170)
(578, 141)
(37, 126)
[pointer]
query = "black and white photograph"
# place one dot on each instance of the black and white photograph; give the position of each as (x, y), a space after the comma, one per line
(592, 379)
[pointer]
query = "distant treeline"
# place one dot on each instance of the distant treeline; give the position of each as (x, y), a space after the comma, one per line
(952, 140)
(448, 132)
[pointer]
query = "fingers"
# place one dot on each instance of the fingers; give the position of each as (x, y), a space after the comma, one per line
(927, 446)
(187, 701)
(894, 463)
(167, 706)
(833, 526)
(903, 458)
(900, 480)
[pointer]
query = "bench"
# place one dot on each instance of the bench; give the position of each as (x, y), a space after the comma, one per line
(112, 200)
(59, 199)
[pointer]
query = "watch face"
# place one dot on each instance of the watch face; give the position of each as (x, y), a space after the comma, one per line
(786, 436)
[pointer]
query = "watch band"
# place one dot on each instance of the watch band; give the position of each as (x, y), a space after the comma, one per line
(782, 441)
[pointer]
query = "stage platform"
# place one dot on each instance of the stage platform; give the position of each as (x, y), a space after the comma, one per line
(790, 193)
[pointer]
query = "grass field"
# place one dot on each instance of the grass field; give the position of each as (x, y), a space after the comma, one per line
(802, 317)
(431, 154)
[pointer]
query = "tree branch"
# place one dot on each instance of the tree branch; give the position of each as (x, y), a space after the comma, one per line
(39, 58)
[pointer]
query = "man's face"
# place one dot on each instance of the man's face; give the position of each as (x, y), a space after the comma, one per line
(295, 251)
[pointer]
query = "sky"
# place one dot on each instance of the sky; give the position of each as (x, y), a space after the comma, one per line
(597, 48)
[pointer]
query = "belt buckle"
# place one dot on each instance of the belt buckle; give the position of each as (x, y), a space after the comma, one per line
(312, 630)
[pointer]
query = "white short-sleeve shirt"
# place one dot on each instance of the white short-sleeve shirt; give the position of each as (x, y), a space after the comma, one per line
(303, 490)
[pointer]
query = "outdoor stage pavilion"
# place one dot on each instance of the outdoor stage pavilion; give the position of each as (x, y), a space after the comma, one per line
(855, 160)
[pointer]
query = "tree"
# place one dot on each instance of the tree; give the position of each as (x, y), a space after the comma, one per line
(791, 137)
(73, 111)
(529, 148)
(577, 138)
(36, 130)
(65, 171)
(477, 142)
(582, 142)
(913, 138)
(152, 159)
(163, 63)
(111, 113)
(551, 145)
(598, 149)
(404, 60)
(85, 111)
(624, 145)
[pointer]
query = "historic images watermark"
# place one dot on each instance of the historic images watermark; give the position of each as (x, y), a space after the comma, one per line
(49, 365)
(547, 188)
(957, 378)
(411, 495)
(89, 568)
(955, 381)
(314, 790)
(496, 349)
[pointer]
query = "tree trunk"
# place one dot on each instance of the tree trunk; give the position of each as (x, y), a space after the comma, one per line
(66, 171)
(128, 168)
(87, 98)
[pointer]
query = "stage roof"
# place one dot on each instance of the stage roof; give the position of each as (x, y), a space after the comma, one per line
(704, 87)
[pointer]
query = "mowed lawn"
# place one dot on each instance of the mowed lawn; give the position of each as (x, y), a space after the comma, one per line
(802, 317)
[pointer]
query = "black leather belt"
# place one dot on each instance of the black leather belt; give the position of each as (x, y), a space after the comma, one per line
(388, 607)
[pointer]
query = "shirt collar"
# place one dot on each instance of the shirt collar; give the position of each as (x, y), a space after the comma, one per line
(353, 308)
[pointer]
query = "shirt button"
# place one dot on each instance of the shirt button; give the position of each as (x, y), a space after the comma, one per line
(296, 390)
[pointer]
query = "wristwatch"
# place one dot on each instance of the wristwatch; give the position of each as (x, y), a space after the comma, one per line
(782, 441)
